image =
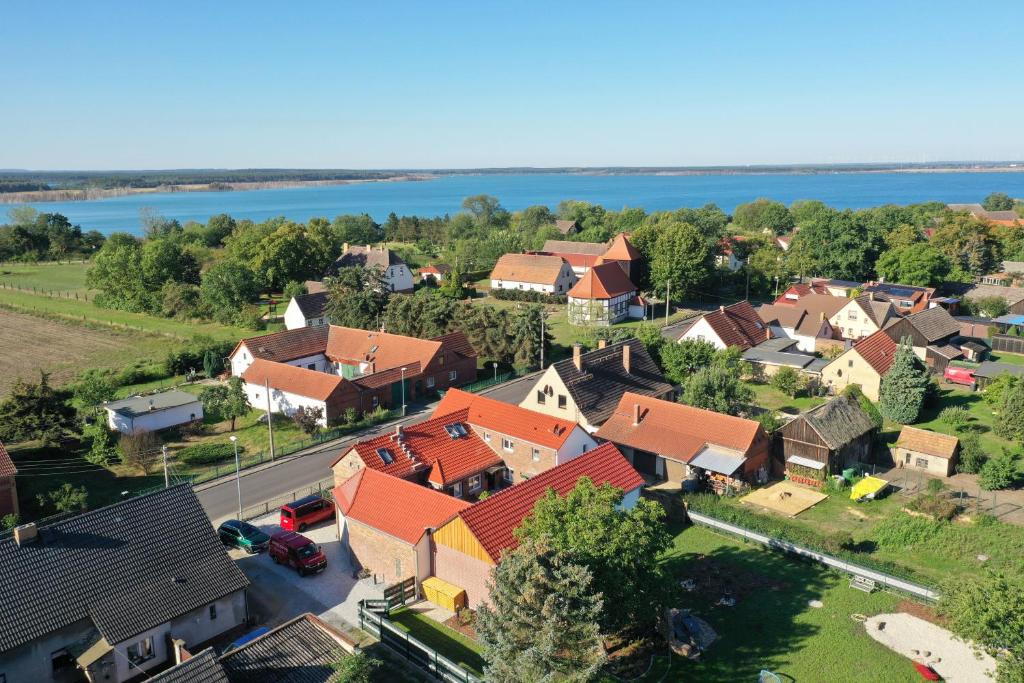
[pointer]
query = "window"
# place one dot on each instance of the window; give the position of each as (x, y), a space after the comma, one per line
(536, 455)
(213, 612)
(257, 395)
(452, 374)
(562, 401)
(506, 444)
(311, 366)
(906, 304)
(457, 490)
(541, 397)
(852, 315)
(474, 483)
(487, 437)
(430, 383)
(376, 401)
(908, 458)
(839, 373)
(921, 462)
(385, 456)
(510, 475)
(849, 363)
(319, 321)
(141, 651)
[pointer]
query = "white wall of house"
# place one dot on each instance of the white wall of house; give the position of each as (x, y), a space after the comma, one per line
(570, 411)
(282, 402)
(603, 311)
(703, 331)
(242, 359)
(199, 625)
(398, 277)
(124, 669)
(524, 286)
(578, 443)
(294, 317)
(853, 322)
(729, 261)
(33, 661)
(155, 420)
(630, 499)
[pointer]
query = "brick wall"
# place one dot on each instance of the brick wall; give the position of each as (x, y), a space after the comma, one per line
(378, 552)
(520, 458)
(463, 571)
(8, 496)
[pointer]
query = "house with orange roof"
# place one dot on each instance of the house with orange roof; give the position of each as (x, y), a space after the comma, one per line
(528, 442)
(864, 364)
(533, 273)
(434, 271)
(795, 292)
(8, 487)
(604, 296)
(673, 442)
(390, 540)
(471, 544)
(444, 453)
(337, 368)
(581, 256)
(735, 325)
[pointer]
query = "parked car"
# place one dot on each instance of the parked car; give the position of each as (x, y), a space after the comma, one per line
(298, 552)
(958, 375)
(305, 512)
(243, 535)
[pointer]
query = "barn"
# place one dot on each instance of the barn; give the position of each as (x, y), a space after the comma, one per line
(826, 439)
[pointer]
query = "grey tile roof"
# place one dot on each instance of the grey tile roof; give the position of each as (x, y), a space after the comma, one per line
(791, 360)
(141, 405)
(366, 257)
(596, 389)
(127, 567)
(934, 323)
(312, 305)
(299, 651)
(202, 668)
(990, 369)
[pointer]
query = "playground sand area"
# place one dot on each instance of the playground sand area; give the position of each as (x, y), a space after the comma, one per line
(928, 643)
(785, 498)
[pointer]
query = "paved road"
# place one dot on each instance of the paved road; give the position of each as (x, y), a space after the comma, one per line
(259, 484)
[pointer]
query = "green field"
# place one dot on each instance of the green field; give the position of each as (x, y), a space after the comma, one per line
(451, 644)
(51, 277)
(772, 625)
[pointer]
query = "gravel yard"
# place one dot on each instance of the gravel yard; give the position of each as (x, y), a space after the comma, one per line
(928, 643)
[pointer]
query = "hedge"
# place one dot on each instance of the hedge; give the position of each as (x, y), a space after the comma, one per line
(529, 296)
(208, 453)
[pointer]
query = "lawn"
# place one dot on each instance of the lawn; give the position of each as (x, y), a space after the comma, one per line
(768, 397)
(458, 648)
(772, 625)
(51, 277)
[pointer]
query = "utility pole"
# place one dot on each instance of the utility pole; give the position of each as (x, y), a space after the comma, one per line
(270, 419)
(668, 290)
(167, 476)
(543, 319)
(746, 267)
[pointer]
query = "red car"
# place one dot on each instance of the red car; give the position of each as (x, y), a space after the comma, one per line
(957, 375)
(305, 512)
(298, 552)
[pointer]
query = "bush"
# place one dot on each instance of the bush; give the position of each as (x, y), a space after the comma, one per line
(137, 373)
(140, 451)
(529, 295)
(836, 486)
(933, 505)
(190, 356)
(901, 530)
(8, 522)
(854, 391)
(65, 498)
(955, 416)
(972, 457)
(208, 453)
(999, 472)
(936, 486)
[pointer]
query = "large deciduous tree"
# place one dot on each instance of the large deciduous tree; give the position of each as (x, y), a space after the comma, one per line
(716, 388)
(988, 609)
(226, 288)
(764, 214)
(542, 620)
(680, 360)
(225, 401)
(356, 297)
(620, 548)
(904, 386)
(682, 258)
(921, 265)
(967, 242)
(998, 201)
(834, 244)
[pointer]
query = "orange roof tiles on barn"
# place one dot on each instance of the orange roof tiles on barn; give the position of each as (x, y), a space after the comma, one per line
(489, 413)
(603, 281)
(878, 350)
(428, 444)
(370, 497)
(493, 521)
(7, 468)
(676, 430)
(621, 250)
(293, 379)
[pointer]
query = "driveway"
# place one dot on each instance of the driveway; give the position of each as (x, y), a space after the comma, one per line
(278, 593)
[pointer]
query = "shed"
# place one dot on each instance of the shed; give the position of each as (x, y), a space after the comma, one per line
(152, 413)
(838, 434)
(926, 450)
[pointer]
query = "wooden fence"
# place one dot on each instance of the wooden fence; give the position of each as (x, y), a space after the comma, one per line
(1007, 343)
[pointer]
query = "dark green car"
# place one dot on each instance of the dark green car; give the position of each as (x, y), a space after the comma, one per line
(243, 535)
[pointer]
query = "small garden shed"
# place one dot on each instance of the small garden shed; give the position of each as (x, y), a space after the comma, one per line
(926, 450)
(836, 434)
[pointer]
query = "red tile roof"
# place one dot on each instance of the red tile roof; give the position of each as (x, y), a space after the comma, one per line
(534, 268)
(457, 342)
(427, 445)
(676, 430)
(7, 468)
(493, 521)
(738, 325)
(878, 350)
(287, 345)
(380, 379)
(603, 281)
(505, 418)
(383, 350)
(293, 379)
(369, 497)
(621, 250)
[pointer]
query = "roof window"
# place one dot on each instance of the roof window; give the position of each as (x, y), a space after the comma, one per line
(385, 455)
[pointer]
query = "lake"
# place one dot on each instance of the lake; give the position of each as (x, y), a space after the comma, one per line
(445, 195)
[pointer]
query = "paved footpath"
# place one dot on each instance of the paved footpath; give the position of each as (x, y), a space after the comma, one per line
(304, 468)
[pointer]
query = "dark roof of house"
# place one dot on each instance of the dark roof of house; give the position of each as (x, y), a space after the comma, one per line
(142, 405)
(366, 257)
(597, 388)
(299, 651)
(737, 325)
(934, 323)
(839, 421)
(7, 468)
(312, 305)
(570, 247)
(287, 345)
(202, 668)
(121, 566)
(990, 369)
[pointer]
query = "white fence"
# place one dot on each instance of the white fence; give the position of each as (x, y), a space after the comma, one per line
(834, 562)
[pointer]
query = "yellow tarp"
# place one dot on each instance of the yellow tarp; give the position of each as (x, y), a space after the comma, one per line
(868, 487)
(444, 594)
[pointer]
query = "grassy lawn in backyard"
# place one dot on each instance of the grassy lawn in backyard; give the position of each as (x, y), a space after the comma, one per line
(60, 277)
(772, 625)
(451, 644)
(1009, 358)
(768, 397)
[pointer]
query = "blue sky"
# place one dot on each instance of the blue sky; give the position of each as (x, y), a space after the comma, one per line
(442, 84)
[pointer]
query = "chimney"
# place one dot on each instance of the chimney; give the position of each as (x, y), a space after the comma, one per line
(26, 533)
(821, 316)
(721, 309)
(625, 357)
(871, 296)
(398, 431)
(636, 414)
(767, 333)
(601, 343)
(344, 248)
(577, 356)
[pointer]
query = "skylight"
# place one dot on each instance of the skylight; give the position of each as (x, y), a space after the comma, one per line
(456, 430)
(386, 455)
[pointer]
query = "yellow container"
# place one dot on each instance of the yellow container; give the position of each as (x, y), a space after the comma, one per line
(868, 487)
(444, 594)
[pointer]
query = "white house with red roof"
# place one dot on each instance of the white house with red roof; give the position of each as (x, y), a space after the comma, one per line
(470, 545)
(604, 296)
(528, 442)
(735, 325)
(384, 523)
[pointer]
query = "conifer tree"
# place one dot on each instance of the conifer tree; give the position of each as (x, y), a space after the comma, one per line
(904, 386)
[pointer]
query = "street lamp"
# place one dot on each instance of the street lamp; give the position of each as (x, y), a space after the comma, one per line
(495, 366)
(238, 476)
(403, 391)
